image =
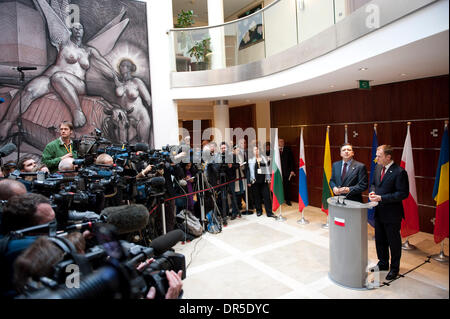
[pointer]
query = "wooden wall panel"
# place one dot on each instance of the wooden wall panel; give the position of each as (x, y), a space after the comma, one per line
(424, 102)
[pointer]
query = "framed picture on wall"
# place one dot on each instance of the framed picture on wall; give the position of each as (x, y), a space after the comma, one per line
(250, 30)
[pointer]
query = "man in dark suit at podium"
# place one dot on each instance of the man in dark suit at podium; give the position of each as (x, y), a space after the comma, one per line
(389, 188)
(348, 177)
(287, 168)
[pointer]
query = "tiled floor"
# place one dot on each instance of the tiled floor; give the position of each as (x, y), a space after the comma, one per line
(259, 257)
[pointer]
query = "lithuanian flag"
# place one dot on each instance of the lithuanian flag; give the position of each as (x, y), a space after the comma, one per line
(326, 189)
(276, 183)
(440, 191)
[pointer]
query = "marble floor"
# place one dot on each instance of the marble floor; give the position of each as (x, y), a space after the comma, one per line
(261, 258)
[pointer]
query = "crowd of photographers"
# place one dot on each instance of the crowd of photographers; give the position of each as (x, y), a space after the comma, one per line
(99, 206)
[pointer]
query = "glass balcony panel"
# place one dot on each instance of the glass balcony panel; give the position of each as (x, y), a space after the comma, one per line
(315, 27)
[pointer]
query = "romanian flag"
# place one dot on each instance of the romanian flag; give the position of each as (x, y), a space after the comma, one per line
(276, 184)
(410, 224)
(440, 192)
(302, 186)
(373, 164)
(326, 189)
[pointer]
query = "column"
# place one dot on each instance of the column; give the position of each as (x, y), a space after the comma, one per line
(215, 17)
(162, 61)
(221, 121)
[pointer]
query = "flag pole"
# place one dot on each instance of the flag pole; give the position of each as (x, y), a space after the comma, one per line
(441, 257)
(406, 245)
(325, 226)
(280, 218)
(302, 221)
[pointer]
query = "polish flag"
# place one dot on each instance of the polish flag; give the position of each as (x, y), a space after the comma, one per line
(339, 221)
(410, 224)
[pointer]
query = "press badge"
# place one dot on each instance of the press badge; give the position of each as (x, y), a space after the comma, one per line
(259, 171)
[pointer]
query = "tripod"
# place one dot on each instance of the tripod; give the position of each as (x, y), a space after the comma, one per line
(202, 180)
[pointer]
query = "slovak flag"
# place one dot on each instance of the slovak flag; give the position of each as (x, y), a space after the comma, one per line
(302, 185)
(410, 224)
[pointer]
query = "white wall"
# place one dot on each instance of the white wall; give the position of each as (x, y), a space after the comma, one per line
(165, 116)
(314, 16)
(280, 30)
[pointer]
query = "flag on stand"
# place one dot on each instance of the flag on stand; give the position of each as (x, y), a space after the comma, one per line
(440, 192)
(302, 185)
(276, 184)
(373, 164)
(410, 224)
(326, 189)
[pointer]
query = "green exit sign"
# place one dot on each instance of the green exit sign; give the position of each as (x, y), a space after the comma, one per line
(364, 84)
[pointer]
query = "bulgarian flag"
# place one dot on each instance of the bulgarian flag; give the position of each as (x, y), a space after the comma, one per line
(302, 189)
(440, 192)
(410, 224)
(326, 189)
(276, 184)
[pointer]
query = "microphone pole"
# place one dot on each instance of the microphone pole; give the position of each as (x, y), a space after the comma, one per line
(343, 201)
(19, 118)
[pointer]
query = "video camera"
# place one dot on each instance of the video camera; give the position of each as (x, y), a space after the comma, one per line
(109, 269)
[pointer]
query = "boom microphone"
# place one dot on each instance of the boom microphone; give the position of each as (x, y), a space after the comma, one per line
(126, 218)
(163, 243)
(7, 149)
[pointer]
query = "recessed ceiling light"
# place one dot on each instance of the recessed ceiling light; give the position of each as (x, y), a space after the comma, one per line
(363, 69)
(284, 94)
(331, 86)
(403, 74)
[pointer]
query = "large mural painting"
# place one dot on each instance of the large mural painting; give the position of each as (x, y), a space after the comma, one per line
(91, 60)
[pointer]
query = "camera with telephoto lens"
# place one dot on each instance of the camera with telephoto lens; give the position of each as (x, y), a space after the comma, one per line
(109, 270)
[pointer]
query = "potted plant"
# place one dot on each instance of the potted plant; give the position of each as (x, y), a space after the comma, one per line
(184, 40)
(200, 51)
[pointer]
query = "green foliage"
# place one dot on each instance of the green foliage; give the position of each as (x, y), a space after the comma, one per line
(200, 50)
(185, 19)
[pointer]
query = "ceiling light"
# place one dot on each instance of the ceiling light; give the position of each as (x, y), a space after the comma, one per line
(403, 74)
(284, 94)
(363, 69)
(331, 86)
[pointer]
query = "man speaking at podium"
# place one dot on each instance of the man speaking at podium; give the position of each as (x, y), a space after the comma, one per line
(389, 188)
(348, 177)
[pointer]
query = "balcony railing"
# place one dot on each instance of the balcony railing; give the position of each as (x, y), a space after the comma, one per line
(313, 27)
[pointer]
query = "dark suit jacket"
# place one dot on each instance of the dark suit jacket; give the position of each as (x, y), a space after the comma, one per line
(287, 161)
(355, 179)
(393, 189)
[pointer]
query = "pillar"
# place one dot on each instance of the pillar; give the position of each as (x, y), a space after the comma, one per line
(221, 121)
(215, 17)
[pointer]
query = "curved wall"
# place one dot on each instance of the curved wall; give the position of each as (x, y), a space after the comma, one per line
(419, 25)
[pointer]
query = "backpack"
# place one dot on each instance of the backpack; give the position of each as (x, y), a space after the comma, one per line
(194, 227)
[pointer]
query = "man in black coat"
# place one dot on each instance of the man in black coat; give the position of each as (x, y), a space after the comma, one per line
(287, 168)
(349, 177)
(389, 188)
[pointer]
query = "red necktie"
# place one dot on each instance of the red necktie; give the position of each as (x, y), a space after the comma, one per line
(382, 173)
(344, 171)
